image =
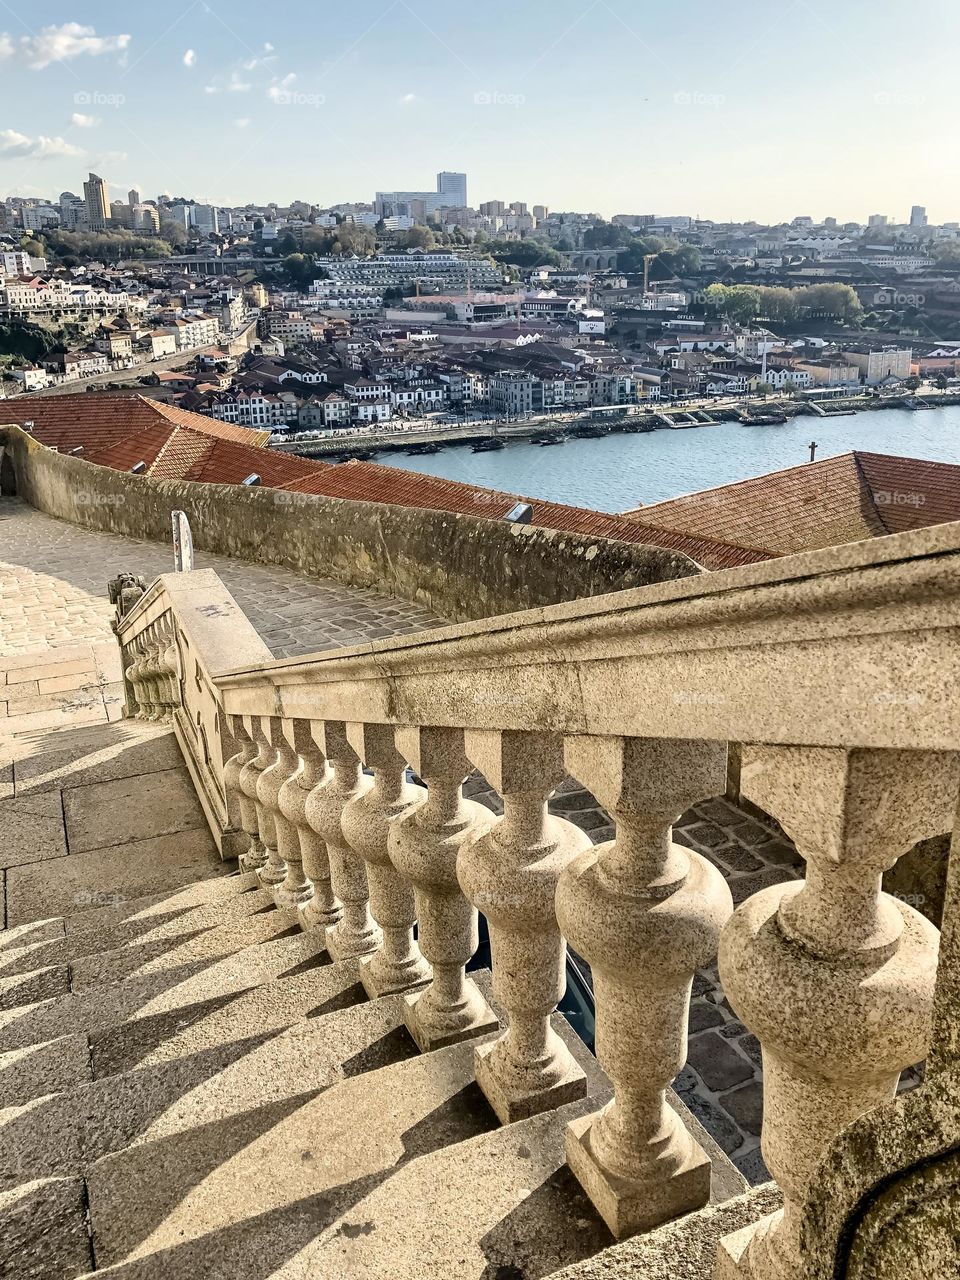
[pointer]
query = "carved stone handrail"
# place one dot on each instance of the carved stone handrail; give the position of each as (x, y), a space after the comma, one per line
(839, 667)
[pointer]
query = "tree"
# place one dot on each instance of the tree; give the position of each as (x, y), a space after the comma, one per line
(941, 382)
(739, 302)
(525, 253)
(417, 238)
(912, 383)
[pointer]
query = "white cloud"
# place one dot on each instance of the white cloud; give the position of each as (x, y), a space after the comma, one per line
(13, 143)
(408, 97)
(262, 60)
(235, 84)
(59, 44)
(242, 122)
(190, 58)
(82, 121)
(279, 89)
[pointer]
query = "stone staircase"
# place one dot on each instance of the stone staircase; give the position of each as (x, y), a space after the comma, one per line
(189, 1082)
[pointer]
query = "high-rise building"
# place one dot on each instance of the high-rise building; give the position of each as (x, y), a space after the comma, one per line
(493, 209)
(518, 207)
(452, 189)
(918, 216)
(73, 211)
(133, 197)
(540, 211)
(877, 220)
(98, 202)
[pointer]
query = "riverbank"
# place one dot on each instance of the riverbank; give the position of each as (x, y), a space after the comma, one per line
(593, 424)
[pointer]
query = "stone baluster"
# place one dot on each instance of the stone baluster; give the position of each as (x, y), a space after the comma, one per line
(355, 934)
(168, 662)
(835, 977)
(309, 880)
(138, 677)
(258, 756)
(510, 875)
(284, 763)
(367, 818)
(646, 913)
(137, 695)
(242, 749)
(296, 889)
(151, 676)
(423, 845)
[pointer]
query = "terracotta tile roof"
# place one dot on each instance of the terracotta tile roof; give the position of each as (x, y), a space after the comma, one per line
(98, 420)
(141, 446)
(911, 493)
(182, 451)
(229, 463)
(369, 482)
(802, 508)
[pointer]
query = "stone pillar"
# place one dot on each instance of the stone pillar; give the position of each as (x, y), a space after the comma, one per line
(646, 913)
(319, 907)
(510, 874)
(834, 977)
(367, 818)
(296, 889)
(243, 750)
(355, 934)
(423, 844)
(267, 784)
(137, 696)
(168, 661)
(250, 809)
(273, 873)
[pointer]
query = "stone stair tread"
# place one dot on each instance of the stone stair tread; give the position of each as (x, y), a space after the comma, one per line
(352, 1135)
(310, 1165)
(49, 1067)
(143, 958)
(272, 1006)
(43, 1230)
(58, 1135)
(99, 1008)
(150, 922)
(163, 903)
(30, 934)
(36, 985)
(686, 1246)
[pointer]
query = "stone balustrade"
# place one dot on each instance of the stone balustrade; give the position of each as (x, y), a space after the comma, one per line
(838, 668)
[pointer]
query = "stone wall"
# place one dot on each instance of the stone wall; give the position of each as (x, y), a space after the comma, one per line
(460, 567)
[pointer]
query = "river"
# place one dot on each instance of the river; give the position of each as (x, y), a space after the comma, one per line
(623, 471)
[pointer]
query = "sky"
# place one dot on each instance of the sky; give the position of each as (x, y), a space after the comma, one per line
(731, 112)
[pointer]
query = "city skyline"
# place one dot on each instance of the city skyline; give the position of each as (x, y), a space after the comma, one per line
(578, 105)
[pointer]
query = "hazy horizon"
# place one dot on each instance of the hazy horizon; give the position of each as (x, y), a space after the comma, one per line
(584, 105)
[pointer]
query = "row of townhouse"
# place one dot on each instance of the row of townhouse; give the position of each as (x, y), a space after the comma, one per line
(513, 393)
(21, 297)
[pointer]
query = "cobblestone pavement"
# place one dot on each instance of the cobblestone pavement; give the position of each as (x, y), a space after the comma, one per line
(53, 591)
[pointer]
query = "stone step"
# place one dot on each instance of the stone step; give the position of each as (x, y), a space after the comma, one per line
(143, 958)
(63, 940)
(32, 987)
(685, 1247)
(39, 1069)
(60, 1135)
(159, 994)
(43, 1230)
(285, 1192)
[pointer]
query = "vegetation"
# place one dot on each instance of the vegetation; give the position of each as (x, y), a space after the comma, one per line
(24, 343)
(525, 253)
(72, 247)
(745, 302)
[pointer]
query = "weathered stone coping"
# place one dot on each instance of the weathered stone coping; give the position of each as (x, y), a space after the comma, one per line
(851, 646)
(460, 567)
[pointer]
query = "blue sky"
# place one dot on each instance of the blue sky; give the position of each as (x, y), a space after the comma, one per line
(741, 110)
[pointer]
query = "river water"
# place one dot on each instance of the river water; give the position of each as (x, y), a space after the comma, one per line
(623, 471)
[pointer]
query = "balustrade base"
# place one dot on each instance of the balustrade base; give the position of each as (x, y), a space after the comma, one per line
(428, 1038)
(316, 918)
(375, 984)
(630, 1205)
(271, 876)
(292, 898)
(510, 1104)
(733, 1251)
(251, 860)
(351, 946)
